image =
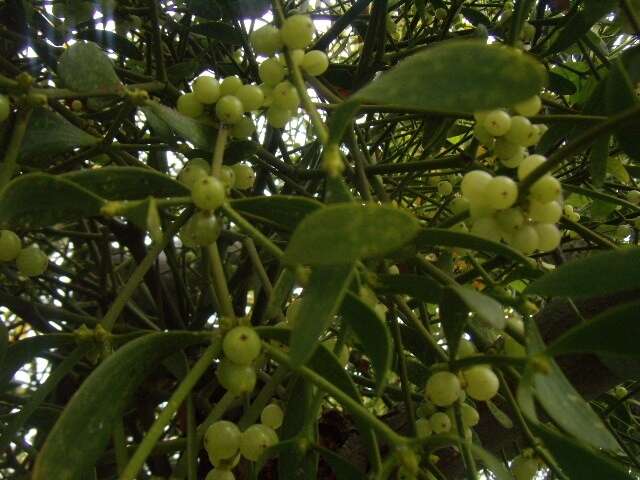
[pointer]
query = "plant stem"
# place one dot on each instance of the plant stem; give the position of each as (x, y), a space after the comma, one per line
(178, 396)
(10, 163)
(218, 151)
(463, 444)
(220, 283)
(253, 232)
(253, 412)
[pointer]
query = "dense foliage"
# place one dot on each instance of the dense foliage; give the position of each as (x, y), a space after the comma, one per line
(319, 239)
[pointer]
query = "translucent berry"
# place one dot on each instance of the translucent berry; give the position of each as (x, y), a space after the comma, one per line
(529, 107)
(227, 176)
(278, 117)
(205, 228)
(506, 150)
(510, 219)
(254, 441)
(297, 31)
(549, 212)
(466, 348)
(220, 474)
(10, 245)
(241, 345)
(208, 193)
(222, 439)
(229, 109)
(546, 189)
(271, 72)
(445, 188)
(525, 239)
(474, 183)
(251, 97)
(633, 196)
(497, 123)
(484, 137)
(230, 85)
(315, 63)
(285, 96)
(482, 383)
(486, 227)
(470, 416)
(521, 132)
(266, 40)
(443, 388)
(272, 416)
(31, 261)
(440, 422)
(238, 379)
(296, 56)
(193, 170)
(501, 192)
(423, 428)
(529, 164)
(620, 392)
(524, 468)
(76, 106)
(189, 105)
(481, 209)
(459, 205)
(244, 128)
(206, 90)
(245, 175)
(549, 236)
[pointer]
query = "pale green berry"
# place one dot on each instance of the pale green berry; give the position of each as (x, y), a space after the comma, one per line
(480, 209)
(222, 439)
(470, 416)
(272, 416)
(574, 217)
(296, 56)
(266, 40)
(524, 468)
(473, 184)
(31, 261)
(521, 132)
(285, 96)
(546, 189)
(189, 105)
(254, 441)
(220, 474)
(504, 149)
(244, 128)
(497, 123)
(529, 164)
(620, 392)
(459, 205)
(251, 97)
(297, 31)
(205, 228)
(440, 423)
(271, 72)
(227, 175)
(423, 428)
(549, 212)
(315, 63)
(245, 176)
(194, 169)
(445, 188)
(238, 379)
(549, 236)
(466, 348)
(225, 463)
(501, 192)
(623, 232)
(568, 209)
(76, 106)
(525, 239)
(510, 219)
(443, 388)
(278, 117)
(487, 228)
(484, 137)
(529, 107)
(206, 90)
(267, 92)
(208, 193)
(242, 345)
(230, 85)
(633, 196)
(229, 109)
(482, 384)
(10, 245)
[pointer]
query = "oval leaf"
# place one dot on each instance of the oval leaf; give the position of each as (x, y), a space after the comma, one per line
(485, 308)
(220, 31)
(458, 76)
(343, 233)
(419, 287)
(198, 133)
(38, 200)
(598, 274)
(84, 429)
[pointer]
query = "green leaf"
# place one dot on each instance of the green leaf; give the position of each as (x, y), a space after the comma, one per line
(343, 233)
(560, 400)
(598, 160)
(321, 300)
(127, 183)
(597, 274)
(49, 134)
(281, 211)
(220, 31)
(204, 8)
(614, 332)
(38, 200)
(112, 41)
(440, 237)
(601, 197)
(84, 67)
(340, 119)
(580, 23)
(485, 308)
(336, 190)
(561, 85)
(458, 76)
(454, 314)
(341, 467)
(580, 461)
(422, 288)
(83, 430)
(281, 289)
(372, 333)
(198, 133)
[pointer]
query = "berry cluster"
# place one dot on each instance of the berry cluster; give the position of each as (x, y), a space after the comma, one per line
(208, 194)
(30, 261)
(225, 443)
(296, 34)
(236, 373)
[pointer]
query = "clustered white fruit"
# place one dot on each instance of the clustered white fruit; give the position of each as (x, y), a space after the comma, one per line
(236, 372)
(30, 261)
(296, 34)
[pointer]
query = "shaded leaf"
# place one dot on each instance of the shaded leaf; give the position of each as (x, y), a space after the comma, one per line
(39, 200)
(597, 274)
(281, 211)
(460, 76)
(198, 133)
(485, 308)
(561, 85)
(340, 466)
(340, 119)
(419, 287)
(112, 41)
(223, 32)
(281, 289)
(453, 315)
(598, 160)
(204, 8)
(347, 232)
